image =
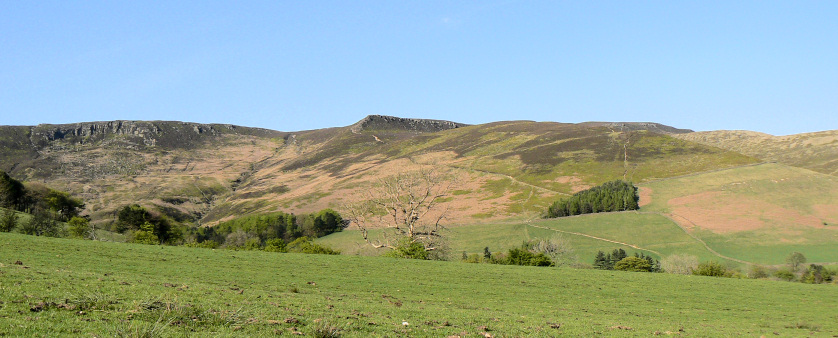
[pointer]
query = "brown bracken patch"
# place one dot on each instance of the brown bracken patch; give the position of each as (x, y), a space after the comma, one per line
(724, 212)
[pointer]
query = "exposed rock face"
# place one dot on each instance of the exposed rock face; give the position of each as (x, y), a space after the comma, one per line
(380, 122)
(166, 134)
(630, 126)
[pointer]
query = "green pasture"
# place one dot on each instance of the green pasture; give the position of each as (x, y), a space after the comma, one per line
(768, 193)
(61, 287)
(784, 186)
(653, 234)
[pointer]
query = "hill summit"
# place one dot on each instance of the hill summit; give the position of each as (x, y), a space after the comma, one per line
(383, 122)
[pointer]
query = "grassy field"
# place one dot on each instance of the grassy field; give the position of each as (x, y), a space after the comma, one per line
(86, 288)
(651, 234)
(759, 213)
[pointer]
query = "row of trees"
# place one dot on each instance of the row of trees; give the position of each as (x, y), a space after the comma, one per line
(277, 232)
(48, 208)
(610, 196)
(260, 230)
(36, 198)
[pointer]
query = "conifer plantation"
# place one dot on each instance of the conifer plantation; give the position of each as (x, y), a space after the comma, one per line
(610, 196)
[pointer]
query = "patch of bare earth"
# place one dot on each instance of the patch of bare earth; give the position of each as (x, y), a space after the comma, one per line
(575, 183)
(723, 212)
(645, 194)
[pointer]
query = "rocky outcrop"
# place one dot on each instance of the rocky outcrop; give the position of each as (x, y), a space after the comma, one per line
(382, 122)
(167, 134)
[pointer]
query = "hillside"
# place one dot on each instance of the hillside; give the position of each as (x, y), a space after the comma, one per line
(207, 173)
(815, 151)
(145, 290)
(757, 213)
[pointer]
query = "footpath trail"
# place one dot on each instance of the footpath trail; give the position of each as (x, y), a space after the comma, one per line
(597, 238)
(513, 179)
(637, 247)
(671, 218)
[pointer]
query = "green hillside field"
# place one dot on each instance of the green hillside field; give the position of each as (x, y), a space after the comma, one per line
(61, 287)
(648, 233)
(755, 213)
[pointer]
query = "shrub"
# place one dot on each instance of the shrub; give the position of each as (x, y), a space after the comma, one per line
(633, 264)
(239, 239)
(786, 275)
(408, 248)
(8, 221)
(253, 244)
(557, 248)
(79, 227)
(145, 235)
(305, 245)
(42, 224)
(817, 274)
(759, 272)
(679, 264)
(473, 258)
(525, 257)
(714, 269)
(275, 245)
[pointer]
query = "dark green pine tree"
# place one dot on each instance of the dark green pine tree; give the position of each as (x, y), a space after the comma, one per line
(600, 261)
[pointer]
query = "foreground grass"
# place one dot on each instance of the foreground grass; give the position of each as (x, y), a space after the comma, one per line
(74, 287)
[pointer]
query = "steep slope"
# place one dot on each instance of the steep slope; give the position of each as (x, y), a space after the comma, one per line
(173, 167)
(814, 151)
(207, 173)
(500, 169)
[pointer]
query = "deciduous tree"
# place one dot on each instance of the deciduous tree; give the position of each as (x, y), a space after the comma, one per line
(406, 205)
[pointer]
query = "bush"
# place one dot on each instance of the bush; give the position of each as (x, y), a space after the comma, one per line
(275, 245)
(817, 274)
(557, 248)
(79, 227)
(472, 258)
(42, 224)
(524, 257)
(636, 264)
(239, 239)
(786, 275)
(759, 272)
(679, 264)
(305, 245)
(714, 269)
(145, 235)
(8, 221)
(253, 244)
(408, 248)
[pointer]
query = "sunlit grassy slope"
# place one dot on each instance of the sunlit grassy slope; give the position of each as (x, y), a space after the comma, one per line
(85, 288)
(758, 213)
(651, 234)
(815, 151)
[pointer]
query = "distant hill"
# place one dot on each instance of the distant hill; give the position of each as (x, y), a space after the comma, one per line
(816, 151)
(204, 173)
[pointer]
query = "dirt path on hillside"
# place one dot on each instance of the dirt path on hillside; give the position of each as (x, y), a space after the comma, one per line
(513, 179)
(597, 238)
(672, 217)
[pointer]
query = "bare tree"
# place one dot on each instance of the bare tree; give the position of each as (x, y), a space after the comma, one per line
(407, 206)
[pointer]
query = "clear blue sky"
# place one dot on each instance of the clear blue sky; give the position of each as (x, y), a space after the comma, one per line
(293, 65)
